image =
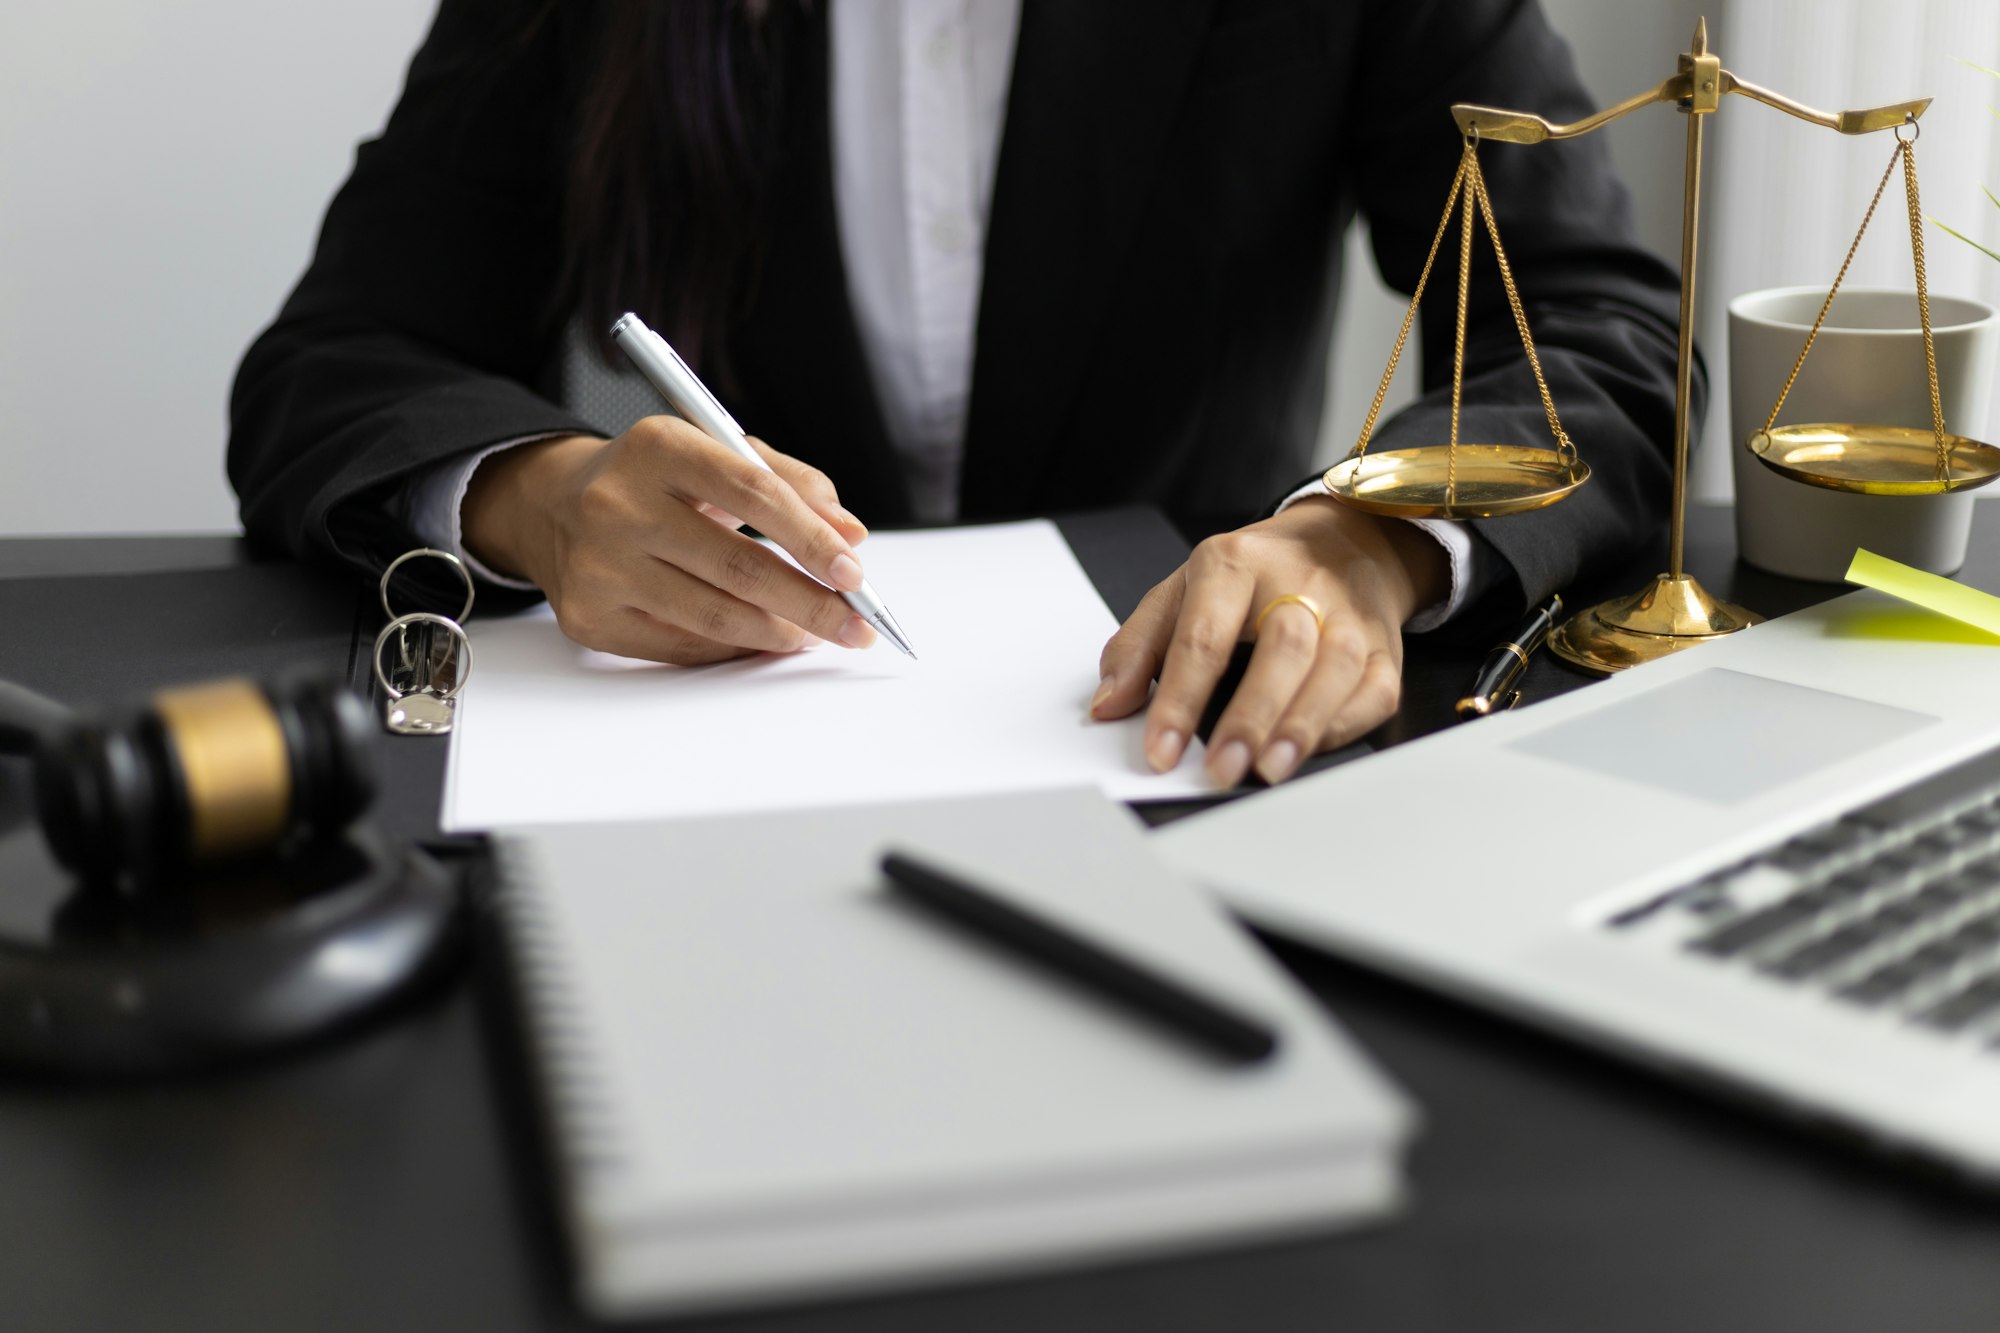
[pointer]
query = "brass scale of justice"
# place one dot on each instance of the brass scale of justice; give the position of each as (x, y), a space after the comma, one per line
(1487, 480)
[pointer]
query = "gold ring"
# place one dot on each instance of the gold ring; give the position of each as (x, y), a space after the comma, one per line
(1319, 621)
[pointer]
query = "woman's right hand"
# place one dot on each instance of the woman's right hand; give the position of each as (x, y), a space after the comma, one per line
(634, 542)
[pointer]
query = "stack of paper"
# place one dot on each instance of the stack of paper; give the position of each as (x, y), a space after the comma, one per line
(1008, 629)
(769, 1078)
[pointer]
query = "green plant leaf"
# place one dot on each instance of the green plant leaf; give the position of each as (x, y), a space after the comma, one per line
(1963, 237)
(1993, 73)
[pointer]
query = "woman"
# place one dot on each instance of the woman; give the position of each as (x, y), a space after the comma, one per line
(964, 259)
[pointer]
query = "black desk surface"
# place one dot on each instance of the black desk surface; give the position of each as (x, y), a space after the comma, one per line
(393, 1180)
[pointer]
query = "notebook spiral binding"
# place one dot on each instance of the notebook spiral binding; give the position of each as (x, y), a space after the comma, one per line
(576, 1101)
(422, 682)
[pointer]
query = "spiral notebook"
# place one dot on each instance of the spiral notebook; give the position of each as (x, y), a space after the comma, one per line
(768, 1079)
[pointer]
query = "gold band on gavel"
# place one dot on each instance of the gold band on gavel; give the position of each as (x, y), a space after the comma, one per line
(231, 754)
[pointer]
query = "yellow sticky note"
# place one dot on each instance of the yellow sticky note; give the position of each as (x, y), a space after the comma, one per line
(1933, 592)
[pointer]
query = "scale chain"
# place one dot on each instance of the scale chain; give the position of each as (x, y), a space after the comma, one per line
(1909, 150)
(1468, 192)
(1464, 289)
(1905, 153)
(1563, 444)
(1409, 316)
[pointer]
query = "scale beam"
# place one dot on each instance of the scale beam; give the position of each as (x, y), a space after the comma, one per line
(1699, 85)
(1865, 121)
(1503, 126)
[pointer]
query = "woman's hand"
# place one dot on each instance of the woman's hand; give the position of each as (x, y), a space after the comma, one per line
(634, 541)
(1307, 688)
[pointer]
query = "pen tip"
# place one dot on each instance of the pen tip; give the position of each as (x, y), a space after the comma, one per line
(885, 624)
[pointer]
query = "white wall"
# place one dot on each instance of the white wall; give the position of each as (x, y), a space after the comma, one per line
(162, 171)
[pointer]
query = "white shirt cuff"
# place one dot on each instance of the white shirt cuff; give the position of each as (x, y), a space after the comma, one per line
(436, 497)
(1462, 553)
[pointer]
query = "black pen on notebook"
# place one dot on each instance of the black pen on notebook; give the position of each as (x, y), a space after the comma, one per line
(1200, 1018)
(1493, 688)
(666, 372)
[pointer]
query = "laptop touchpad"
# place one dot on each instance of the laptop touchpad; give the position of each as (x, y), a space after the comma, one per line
(1721, 735)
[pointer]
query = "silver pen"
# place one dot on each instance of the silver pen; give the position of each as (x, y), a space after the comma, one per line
(665, 371)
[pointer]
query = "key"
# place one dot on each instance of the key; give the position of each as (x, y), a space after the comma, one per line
(1956, 1011)
(1884, 983)
(1827, 950)
(1758, 926)
(419, 715)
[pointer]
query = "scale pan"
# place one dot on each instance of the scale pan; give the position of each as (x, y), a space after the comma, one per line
(1874, 460)
(1491, 480)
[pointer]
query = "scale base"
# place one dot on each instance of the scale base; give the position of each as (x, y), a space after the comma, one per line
(1659, 620)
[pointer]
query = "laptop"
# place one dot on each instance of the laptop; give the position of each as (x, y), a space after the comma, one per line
(1772, 860)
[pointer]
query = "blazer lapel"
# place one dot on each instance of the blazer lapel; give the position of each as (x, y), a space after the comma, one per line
(1094, 88)
(798, 352)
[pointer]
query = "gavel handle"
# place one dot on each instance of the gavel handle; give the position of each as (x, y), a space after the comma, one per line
(27, 718)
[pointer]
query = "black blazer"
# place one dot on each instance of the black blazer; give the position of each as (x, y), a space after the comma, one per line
(1161, 266)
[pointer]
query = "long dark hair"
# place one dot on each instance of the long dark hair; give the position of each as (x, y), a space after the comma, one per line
(676, 139)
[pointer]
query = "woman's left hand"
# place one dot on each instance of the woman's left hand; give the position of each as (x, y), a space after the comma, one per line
(1310, 686)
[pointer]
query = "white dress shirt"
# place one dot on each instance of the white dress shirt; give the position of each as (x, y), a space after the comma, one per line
(919, 100)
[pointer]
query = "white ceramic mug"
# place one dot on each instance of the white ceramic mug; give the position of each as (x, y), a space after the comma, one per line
(1866, 367)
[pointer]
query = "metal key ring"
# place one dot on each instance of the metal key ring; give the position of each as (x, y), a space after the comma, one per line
(455, 562)
(432, 618)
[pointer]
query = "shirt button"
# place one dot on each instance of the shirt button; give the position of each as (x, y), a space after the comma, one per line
(951, 233)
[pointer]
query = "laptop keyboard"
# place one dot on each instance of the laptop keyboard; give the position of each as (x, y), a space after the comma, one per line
(1892, 909)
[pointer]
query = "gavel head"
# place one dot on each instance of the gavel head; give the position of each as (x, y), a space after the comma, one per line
(203, 774)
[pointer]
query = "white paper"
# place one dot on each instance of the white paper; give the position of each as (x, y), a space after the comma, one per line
(1007, 628)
